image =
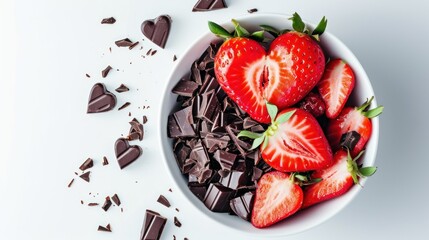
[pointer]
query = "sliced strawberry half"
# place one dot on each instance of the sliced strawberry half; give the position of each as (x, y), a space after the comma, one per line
(277, 197)
(294, 142)
(336, 86)
(336, 180)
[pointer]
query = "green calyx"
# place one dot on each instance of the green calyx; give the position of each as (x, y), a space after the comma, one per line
(358, 171)
(303, 178)
(262, 138)
(372, 113)
(299, 26)
(239, 31)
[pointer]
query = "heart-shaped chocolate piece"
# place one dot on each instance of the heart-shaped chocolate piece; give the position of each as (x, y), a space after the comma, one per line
(157, 29)
(126, 153)
(100, 100)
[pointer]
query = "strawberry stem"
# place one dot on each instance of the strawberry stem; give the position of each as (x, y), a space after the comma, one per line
(369, 113)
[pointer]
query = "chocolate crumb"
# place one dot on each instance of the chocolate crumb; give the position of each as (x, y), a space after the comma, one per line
(177, 210)
(110, 20)
(177, 222)
(110, 49)
(106, 71)
(75, 173)
(116, 199)
(104, 229)
(144, 119)
(87, 75)
(153, 52)
(133, 45)
(122, 88)
(81, 202)
(252, 10)
(129, 114)
(185, 238)
(92, 204)
(105, 161)
(174, 237)
(70, 183)
(148, 52)
(89, 163)
(107, 204)
(124, 42)
(124, 106)
(170, 190)
(85, 176)
(174, 58)
(163, 201)
(122, 210)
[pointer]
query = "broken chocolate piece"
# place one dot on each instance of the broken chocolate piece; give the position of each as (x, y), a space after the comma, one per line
(124, 42)
(136, 130)
(157, 29)
(124, 106)
(234, 179)
(199, 190)
(153, 226)
(133, 45)
(110, 20)
(217, 198)
(252, 10)
(104, 229)
(100, 100)
(85, 176)
(87, 164)
(225, 159)
(185, 88)
(70, 183)
(87, 75)
(105, 161)
(144, 119)
(125, 153)
(208, 5)
(116, 199)
(242, 206)
(122, 88)
(349, 140)
(163, 201)
(107, 203)
(92, 204)
(177, 222)
(106, 71)
(179, 124)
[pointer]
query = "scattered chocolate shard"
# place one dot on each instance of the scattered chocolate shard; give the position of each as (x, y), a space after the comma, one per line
(122, 88)
(208, 5)
(81, 201)
(252, 10)
(110, 20)
(144, 119)
(93, 204)
(70, 183)
(217, 198)
(85, 176)
(174, 58)
(153, 226)
(153, 52)
(157, 29)
(116, 199)
(185, 88)
(199, 190)
(100, 100)
(105, 161)
(136, 130)
(104, 229)
(177, 222)
(163, 201)
(107, 203)
(126, 153)
(179, 124)
(87, 75)
(349, 140)
(89, 163)
(124, 42)
(133, 45)
(243, 205)
(124, 106)
(177, 210)
(106, 71)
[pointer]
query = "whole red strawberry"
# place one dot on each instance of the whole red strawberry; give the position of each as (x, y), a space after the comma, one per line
(283, 75)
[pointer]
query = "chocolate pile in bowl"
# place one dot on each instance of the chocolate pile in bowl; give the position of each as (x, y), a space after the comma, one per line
(221, 169)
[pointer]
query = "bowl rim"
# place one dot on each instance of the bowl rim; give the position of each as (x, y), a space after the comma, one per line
(265, 232)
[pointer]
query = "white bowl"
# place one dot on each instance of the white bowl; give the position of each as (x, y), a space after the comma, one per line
(303, 220)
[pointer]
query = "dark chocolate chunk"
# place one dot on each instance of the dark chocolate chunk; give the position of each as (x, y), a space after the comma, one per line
(242, 206)
(85, 176)
(125, 153)
(104, 229)
(217, 198)
(234, 179)
(185, 88)
(122, 88)
(157, 29)
(100, 100)
(179, 124)
(124, 106)
(70, 183)
(136, 130)
(110, 20)
(93, 204)
(106, 71)
(107, 203)
(242, 146)
(177, 222)
(198, 189)
(153, 226)
(257, 173)
(133, 45)
(105, 161)
(124, 42)
(163, 201)
(252, 10)
(349, 140)
(116, 199)
(87, 164)
(225, 159)
(208, 5)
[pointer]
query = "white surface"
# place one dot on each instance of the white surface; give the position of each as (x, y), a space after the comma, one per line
(46, 135)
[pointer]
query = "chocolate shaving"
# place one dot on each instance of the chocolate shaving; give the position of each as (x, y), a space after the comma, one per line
(87, 75)
(105, 161)
(163, 201)
(124, 42)
(107, 203)
(87, 164)
(252, 10)
(70, 183)
(104, 229)
(110, 20)
(124, 106)
(85, 176)
(133, 45)
(106, 71)
(144, 119)
(93, 204)
(122, 88)
(116, 199)
(177, 222)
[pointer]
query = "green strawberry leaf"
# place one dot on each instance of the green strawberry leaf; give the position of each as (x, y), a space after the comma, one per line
(271, 30)
(284, 117)
(367, 171)
(320, 29)
(272, 111)
(249, 134)
(258, 141)
(219, 30)
(297, 23)
(265, 144)
(239, 30)
(258, 36)
(374, 112)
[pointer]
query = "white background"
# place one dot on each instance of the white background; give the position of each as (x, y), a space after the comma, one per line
(48, 46)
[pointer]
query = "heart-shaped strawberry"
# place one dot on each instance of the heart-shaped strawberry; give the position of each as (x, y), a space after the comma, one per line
(125, 153)
(283, 75)
(100, 100)
(157, 30)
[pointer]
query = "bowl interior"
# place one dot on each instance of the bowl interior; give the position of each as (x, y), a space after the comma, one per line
(305, 219)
